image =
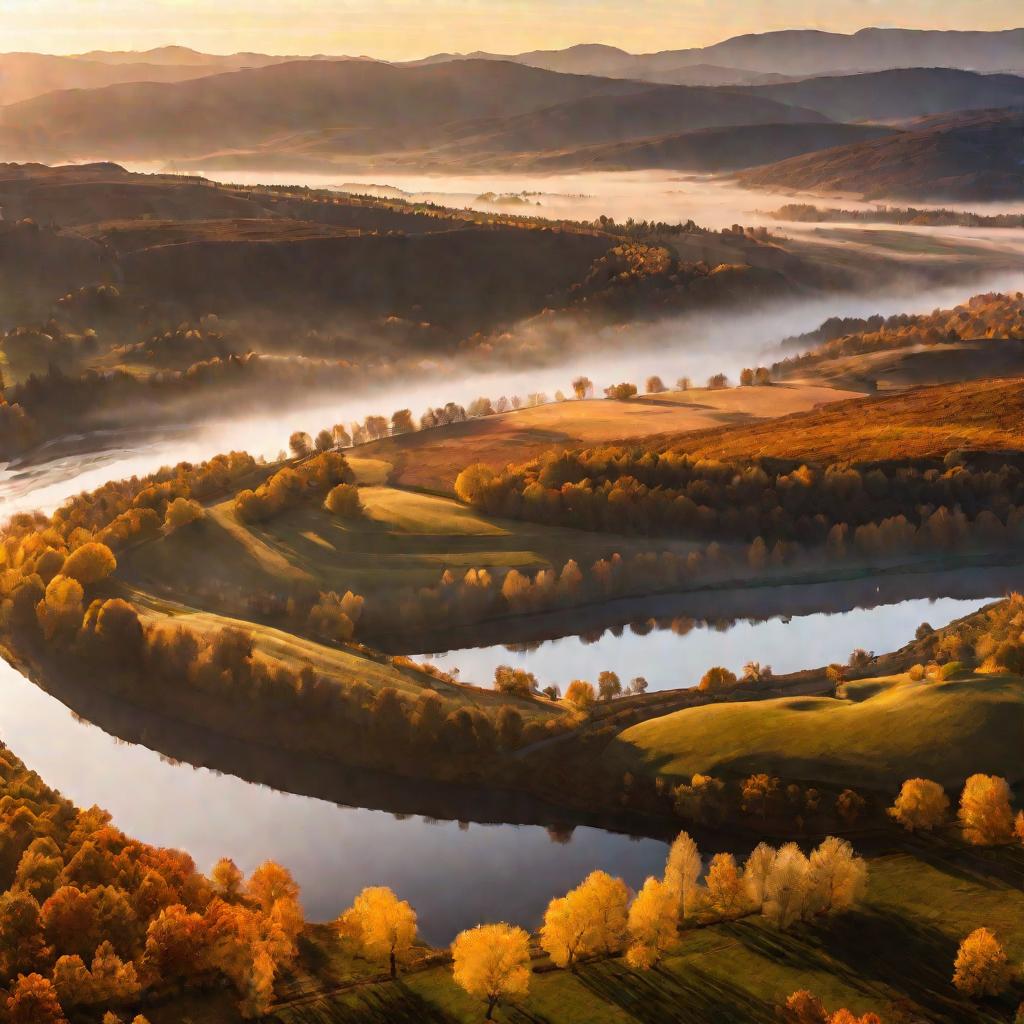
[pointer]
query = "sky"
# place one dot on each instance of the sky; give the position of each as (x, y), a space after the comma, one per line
(405, 29)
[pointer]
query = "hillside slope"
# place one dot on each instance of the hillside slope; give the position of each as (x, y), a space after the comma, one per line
(903, 93)
(379, 105)
(713, 149)
(966, 158)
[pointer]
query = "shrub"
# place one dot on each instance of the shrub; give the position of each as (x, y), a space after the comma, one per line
(343, 501)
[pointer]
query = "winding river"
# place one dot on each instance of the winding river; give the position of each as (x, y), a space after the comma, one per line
(455, 874)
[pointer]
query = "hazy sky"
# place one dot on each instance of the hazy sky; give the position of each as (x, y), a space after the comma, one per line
(414, 28)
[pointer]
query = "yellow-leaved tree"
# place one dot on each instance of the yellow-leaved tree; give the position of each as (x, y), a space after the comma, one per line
(922, 804)
(981, 968)
(383, 925)
(589, 919)
(682, 873)
(492, 962)
(985, 812)
(726, 892)
(652, 924)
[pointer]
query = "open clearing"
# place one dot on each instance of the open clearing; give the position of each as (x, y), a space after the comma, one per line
(885, 731)
(432, 459)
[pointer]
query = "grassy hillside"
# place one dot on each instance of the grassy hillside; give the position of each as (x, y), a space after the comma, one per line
(979, 415)
(433, 459)
(897, 949)
(882, 732)
(963, 158)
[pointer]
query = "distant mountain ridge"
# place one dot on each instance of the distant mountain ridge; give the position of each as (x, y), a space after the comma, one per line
(792, 52)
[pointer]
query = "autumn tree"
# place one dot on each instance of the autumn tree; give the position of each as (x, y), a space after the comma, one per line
(401, 422)
(756, 872)
(621, 392)
(384, 926)
(725, 885)
(981, 968)
(472, 483)
(60, 611)
(181, 512)
(580, 693)
(227, 879)
(985, 813)
(836, 877)
(921, 804)
(651, 925)
(589, 919)
(301, 444)
(608, 685)
(746, 377)
(717, 382)
(655, 385)
(515, 682)
(717, 679)
(343, 501)
(33, 1000)
(582, 387)
(492, 962)
(786, 888)
(682, 873)
(684, 384)
(90, 563)
(324, 441)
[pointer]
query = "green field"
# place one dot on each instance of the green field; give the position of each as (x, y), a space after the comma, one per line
(899, 946)
(883, 732)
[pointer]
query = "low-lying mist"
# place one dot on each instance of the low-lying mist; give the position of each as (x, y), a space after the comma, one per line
(695, 345)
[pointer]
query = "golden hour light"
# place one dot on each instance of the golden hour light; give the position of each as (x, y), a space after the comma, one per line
(510, 511)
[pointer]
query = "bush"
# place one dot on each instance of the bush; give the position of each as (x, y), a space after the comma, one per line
(343, 501)
(181, 512)
(717, 679)
(954, 670)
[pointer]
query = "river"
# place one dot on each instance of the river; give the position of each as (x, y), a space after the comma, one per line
(454, 874)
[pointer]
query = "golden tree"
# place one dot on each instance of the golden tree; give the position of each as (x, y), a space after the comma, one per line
(985, 813)
(981, 968)
(384, 925)
(90, 563)
(492, 962)
(33, 1000)
(921, 804)
(836, 877)
(756, 873)
(725, 885)
(786, 888)
(651, 924)
(682, 873)
(590, 919)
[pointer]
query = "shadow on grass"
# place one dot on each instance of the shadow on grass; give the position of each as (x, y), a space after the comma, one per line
(879, 954)
(381, 1004)
(663, 997)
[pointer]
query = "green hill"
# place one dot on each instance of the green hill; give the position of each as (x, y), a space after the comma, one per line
(885, 731)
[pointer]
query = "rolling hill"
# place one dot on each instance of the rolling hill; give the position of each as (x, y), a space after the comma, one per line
(898, 94)
(963, 158)
(377, 104)
(713, 150)
(331, 108)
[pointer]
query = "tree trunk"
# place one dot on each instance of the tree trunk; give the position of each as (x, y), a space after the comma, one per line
(394, 966)
(491, 1003)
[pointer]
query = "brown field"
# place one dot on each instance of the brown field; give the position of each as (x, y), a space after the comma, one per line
(893, 369)
(432, 459)
(927, 422)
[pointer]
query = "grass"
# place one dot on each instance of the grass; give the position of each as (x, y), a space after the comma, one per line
(886, 731)
(897, 947)
(405, 539)
(926, 422)
(432, 459)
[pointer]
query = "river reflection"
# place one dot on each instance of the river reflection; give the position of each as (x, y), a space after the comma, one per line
(501, 872)
(675, 653)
